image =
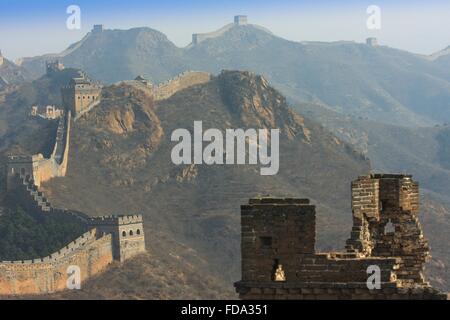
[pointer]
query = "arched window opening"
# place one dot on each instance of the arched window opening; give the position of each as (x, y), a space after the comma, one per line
(124, 234)
(131, 232)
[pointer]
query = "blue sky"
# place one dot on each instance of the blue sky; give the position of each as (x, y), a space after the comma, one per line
(30, 28)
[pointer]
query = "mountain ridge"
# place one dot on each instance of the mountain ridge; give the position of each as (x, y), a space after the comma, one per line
(381, 83)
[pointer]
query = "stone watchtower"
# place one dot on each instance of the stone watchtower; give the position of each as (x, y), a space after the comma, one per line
(80, 95)
(275, 234)
(240, 20)
(127, 234)
(373, 42)
(279, 260)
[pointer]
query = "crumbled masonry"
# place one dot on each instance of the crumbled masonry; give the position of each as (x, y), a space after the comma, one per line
(279, 259)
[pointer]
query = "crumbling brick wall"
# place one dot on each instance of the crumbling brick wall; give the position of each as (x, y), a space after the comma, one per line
(279, 260)
(395, 203)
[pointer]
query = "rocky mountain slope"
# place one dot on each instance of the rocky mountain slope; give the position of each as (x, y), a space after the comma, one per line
(11, 74)
(115, 55)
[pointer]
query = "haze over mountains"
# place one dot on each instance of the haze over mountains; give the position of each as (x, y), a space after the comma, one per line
(343, 85)
(10, 73)
(378, 83)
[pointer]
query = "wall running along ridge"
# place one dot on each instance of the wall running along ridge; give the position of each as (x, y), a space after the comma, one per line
(40, 168)
(110, 237)
(92, 253)
(168, 88)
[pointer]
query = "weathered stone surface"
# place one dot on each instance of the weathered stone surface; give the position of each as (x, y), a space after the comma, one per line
(278, 231)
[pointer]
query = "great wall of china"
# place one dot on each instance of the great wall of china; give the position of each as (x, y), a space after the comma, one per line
(91, 253)
(168, 88)
(279, 260)
(183, 81)
(109, 237)
(40, 168)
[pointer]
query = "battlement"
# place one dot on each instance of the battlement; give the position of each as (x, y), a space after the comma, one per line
(21, 159)
(271, 200)
(110, 238)
(78, 243)
(116, 220)
(279, 260)
(36, 166)
(182, 81)
(91, 253)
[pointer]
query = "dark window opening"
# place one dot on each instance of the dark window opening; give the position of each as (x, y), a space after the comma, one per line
(124, 234)
(266, 242)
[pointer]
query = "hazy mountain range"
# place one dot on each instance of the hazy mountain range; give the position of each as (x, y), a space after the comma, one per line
(378, 83)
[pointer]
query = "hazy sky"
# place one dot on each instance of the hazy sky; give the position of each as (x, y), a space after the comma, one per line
(29, 28)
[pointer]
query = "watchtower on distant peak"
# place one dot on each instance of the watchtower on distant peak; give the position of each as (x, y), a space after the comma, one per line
(373, 42)
(240, 20)
(98, 28)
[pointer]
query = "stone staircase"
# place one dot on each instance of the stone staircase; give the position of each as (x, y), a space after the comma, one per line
(40, 201)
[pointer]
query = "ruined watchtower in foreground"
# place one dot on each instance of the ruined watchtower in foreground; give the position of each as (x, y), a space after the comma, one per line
(279, 260)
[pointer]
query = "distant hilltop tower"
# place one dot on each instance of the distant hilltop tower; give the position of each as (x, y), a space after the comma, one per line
(240, 20)
(53, 66)
(98, 28)
(373, 42)
(1, 58)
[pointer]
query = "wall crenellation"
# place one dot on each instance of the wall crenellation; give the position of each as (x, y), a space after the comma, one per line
(182, 81)
(78, 243)
(168, 88)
